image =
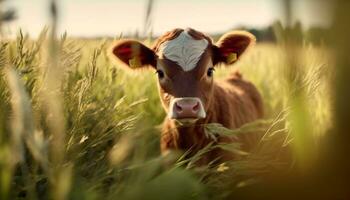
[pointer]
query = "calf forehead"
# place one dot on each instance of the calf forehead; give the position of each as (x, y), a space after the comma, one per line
(184, 50)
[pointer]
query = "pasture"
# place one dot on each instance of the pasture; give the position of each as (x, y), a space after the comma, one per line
(74, 125)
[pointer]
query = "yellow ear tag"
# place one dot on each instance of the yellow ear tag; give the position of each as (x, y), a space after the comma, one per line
(135, 62)
(232, 57)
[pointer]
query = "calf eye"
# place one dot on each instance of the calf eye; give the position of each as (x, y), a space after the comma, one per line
(210, 71)
(160, 74)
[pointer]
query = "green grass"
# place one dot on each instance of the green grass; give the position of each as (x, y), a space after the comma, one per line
(85, 129)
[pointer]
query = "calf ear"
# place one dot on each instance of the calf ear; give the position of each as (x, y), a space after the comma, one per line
(231, 46)
(134, 54)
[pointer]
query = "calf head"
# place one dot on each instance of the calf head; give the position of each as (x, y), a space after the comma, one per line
(184, 61)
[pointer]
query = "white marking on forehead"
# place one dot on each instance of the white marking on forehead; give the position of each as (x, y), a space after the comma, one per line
(184, 50)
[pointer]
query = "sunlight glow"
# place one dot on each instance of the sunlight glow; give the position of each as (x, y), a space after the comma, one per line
(89, 18)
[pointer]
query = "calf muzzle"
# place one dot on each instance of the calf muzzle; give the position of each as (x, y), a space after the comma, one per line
(186, 108)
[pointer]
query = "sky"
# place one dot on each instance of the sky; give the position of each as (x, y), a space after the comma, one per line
(90, 18)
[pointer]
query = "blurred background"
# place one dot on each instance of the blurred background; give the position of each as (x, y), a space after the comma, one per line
(107, 18)
(75, 125)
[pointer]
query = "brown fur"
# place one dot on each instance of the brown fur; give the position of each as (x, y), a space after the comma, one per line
(231, 102)
(235, 102)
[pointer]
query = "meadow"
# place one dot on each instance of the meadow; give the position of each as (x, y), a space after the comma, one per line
(74, 125)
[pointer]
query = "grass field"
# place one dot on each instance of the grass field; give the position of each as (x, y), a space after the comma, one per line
(74, 125)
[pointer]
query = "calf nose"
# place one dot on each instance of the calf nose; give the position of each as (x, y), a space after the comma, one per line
(187, 108)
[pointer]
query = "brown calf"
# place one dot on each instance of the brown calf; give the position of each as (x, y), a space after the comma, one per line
(185, 61)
